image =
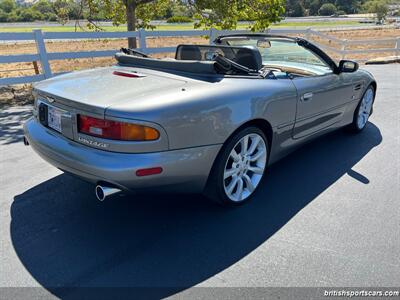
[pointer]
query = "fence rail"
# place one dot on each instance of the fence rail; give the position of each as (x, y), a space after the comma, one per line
(44, 57)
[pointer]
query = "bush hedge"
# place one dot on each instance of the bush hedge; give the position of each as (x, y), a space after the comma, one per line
(179, 19)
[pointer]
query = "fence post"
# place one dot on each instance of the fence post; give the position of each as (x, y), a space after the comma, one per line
(344, 45)
(41, 49)
(398, 46)
(142, 40)
(213, 35)
(308, 33)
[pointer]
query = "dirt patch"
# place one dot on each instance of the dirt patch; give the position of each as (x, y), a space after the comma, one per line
(361, 34)
(16, 95)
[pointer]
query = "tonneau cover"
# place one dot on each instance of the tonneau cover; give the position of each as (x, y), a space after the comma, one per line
(189, 66)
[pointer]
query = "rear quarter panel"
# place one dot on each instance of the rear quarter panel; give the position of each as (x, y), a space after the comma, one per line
(205, 113)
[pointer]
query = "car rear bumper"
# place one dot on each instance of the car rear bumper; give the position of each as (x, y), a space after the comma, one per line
(184, 170)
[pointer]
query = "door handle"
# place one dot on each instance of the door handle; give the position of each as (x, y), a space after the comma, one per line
(307, 97)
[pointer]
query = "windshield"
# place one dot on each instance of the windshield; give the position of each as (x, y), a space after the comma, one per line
(283, 52)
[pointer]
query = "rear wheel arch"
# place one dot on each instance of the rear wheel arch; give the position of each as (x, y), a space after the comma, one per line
(353, 127)
(375, 85)
(261, 124)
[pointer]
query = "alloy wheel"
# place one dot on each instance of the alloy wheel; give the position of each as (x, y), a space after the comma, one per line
(365, 108)
(245, 167)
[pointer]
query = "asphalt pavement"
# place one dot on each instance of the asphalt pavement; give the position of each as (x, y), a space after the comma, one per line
(325, 216)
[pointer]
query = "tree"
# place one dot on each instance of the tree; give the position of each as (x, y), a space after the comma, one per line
(349, 6)
(225, 14)
(295, 8)
(43, 7)
(327, 9)
(135, 13)
(7, 5)
(3, 16)
(61, 9)
(298, 10)
(379, 7)
(314, 7)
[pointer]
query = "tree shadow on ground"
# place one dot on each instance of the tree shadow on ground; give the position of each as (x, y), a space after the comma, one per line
(11, 121)
(155, 246)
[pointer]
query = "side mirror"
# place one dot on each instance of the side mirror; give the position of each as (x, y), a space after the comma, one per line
(348, 66)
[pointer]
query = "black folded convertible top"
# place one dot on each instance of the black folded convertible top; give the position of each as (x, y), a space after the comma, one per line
(188, 66)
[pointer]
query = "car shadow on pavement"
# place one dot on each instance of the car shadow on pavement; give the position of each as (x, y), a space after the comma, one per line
(155, 246)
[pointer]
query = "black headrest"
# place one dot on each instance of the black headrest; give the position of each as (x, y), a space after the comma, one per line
(188, 52)
(249, 57)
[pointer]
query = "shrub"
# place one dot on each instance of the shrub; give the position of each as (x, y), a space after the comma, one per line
(179, 19)
(50, 17)
(29, 15)
(327, 9)
(12, 17)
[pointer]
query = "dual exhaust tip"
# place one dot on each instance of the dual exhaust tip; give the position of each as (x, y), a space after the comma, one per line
(103, 192)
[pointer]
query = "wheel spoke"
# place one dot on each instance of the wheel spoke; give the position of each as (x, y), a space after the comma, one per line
(232, 184)
(239, 190)
(244, 144)
(254, 143)
(230, 173)
(256, 170)
(249, 184)
(257, 156)
(234, 155)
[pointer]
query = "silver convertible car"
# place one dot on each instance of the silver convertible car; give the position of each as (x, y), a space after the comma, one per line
(209, 121)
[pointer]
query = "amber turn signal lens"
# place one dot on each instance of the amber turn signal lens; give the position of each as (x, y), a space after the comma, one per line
(114, 130)
(133, 132)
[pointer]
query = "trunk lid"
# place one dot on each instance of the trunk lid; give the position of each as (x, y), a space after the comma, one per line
(95, 90)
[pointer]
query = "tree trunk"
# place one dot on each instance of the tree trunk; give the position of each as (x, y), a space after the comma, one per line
(131, 21)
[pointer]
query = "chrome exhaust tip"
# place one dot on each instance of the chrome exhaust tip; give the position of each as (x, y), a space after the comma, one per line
(26, 143)
(102, 192)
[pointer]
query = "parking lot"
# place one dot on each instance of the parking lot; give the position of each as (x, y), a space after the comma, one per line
(326, 216)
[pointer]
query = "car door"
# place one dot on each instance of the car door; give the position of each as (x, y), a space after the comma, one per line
(321, 102)
(322, 94)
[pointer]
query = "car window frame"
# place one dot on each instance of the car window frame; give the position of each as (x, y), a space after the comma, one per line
(300, 41)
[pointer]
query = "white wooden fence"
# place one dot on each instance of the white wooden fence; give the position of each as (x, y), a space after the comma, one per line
(44, 57)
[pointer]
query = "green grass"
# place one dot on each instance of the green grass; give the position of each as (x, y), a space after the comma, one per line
(4, 28)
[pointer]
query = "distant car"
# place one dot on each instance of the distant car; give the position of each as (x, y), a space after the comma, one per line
(209, 121)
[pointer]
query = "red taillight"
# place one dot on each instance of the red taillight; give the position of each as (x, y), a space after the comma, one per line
(114, 130)
(150, 171)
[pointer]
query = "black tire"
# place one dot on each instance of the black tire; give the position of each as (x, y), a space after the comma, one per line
(215, 185)
(353, 127)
